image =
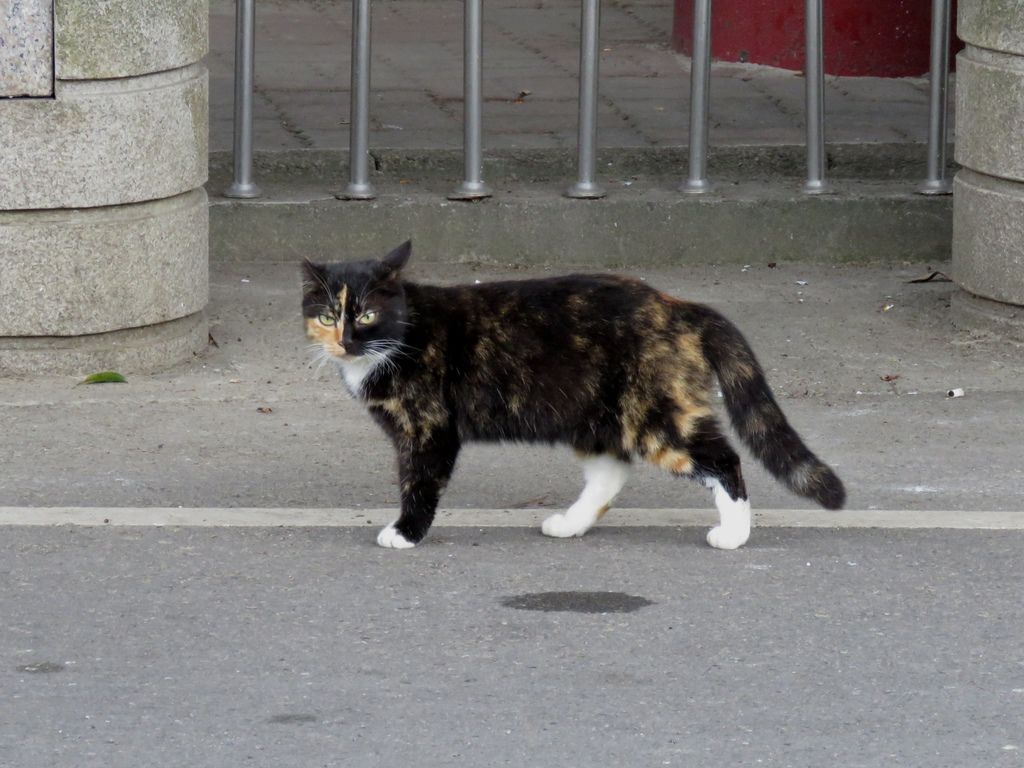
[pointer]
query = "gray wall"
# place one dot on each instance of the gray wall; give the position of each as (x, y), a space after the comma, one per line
(103, 219)
(988, 205)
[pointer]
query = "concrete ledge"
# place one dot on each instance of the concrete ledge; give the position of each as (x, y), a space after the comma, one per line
(973, 313)
(988, 236)
(994, 24)
(497, 518)
(884, 161)
(132, 350)
(644, 224)
(989, 112)
(126, 38)
(97, 270)
(106, 143)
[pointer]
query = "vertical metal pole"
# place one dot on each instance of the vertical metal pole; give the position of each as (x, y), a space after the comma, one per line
(814, 73)
(472, 186)
(245, 32)
(936, 182)
(359, 187)
(590, 32)
(700, 86)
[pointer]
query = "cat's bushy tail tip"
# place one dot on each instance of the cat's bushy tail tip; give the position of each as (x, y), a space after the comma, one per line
(815, 480)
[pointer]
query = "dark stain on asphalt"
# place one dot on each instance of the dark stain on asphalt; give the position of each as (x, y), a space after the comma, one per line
(577, 602)
(42, 667)
(292, 719)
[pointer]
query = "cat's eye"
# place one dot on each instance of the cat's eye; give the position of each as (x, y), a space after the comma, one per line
(367, 318)
(327, 320)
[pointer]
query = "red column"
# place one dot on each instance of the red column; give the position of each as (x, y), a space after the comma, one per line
(883, 38)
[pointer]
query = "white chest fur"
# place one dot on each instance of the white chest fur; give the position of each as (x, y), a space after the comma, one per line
(354, 372)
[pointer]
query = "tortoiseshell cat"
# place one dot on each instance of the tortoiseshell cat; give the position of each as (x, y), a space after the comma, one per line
(604, 364)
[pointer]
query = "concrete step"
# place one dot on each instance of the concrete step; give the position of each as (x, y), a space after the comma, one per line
(849, 160)
(644, 221)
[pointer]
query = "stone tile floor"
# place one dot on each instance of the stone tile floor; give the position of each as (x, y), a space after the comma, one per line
(530, 86)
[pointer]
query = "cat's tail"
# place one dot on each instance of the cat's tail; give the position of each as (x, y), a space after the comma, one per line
(759, 420)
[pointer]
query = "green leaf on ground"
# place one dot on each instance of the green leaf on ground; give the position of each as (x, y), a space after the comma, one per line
(104, 377)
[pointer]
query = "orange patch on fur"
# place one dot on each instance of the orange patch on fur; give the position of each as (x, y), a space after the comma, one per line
(603, 510)
(328, 336)
(677, 462)
(340, 327)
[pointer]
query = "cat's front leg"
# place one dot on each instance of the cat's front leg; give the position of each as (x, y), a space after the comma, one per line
(423, 473)
(605, 475)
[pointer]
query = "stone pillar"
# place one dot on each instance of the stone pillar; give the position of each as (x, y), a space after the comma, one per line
(988, 194)
(103, 216)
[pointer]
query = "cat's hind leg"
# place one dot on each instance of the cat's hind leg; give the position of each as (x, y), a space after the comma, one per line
(705, 454)
(604, 475)
(717, 466)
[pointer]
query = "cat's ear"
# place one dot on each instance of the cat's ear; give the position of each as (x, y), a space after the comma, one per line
(312, 274)
(395, 261)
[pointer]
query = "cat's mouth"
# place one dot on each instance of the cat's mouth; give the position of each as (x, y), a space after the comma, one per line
(346, 354)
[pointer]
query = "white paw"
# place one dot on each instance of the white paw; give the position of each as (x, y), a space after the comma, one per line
(560, 526)
(390, 537)
(728, 538)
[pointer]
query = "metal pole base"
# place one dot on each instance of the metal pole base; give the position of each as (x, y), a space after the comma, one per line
(470, 190)
(935, 187)
(243, 191)
(585, 190)
(817, 187)
(695, 186)
(356, 191)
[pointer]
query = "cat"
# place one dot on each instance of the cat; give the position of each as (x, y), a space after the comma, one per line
(606, 364)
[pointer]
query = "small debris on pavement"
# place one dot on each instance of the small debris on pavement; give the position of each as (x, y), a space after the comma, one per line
(246, 280)
(801, 282)
(889, 377)
(772, 265)
(887, 307)
(211, 340)
(746, 268)
(265, 409)
(955, 393)
(104, 377)
(938, 277)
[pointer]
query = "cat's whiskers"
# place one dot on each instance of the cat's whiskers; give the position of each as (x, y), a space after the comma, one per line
(320, 357)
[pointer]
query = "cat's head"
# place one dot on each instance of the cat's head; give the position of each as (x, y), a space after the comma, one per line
(356, 309)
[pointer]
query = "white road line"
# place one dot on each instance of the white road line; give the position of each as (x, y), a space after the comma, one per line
(487, 518)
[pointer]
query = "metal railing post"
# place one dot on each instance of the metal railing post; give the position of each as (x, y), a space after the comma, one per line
(936, 182)
(590, 32)
(359, 187)
(814, 72)
(245, 32)
(472, 186)
(700, 85)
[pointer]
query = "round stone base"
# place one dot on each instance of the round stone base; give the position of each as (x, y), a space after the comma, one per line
(973, 313)
(988, 236)
(132, 350)
(95, 270)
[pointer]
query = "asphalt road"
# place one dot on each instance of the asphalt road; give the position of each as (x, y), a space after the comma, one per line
(309, 647)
